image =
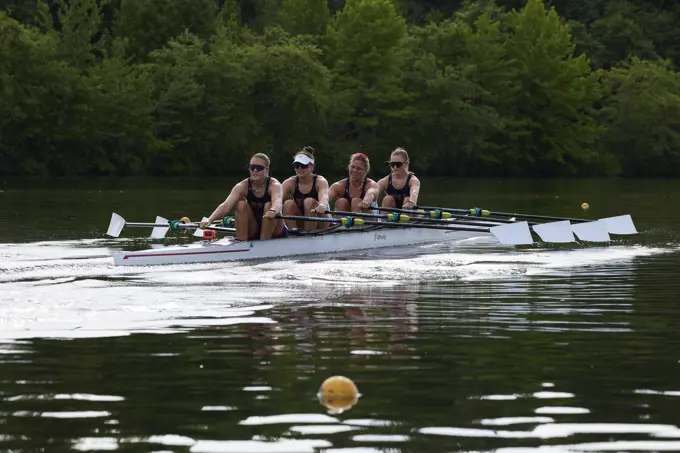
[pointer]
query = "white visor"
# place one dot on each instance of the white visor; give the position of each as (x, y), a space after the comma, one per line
(303, 159)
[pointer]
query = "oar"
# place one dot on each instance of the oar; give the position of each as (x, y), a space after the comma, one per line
(160, 226)
(514, 234)
(559, 232)
(397, 218)
(478, 212)
(622, 224)
(438, 214)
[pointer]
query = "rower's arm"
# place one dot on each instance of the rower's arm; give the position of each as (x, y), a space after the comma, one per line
(382, 185)
(414, 186)
(334, 192)
(372, 192)
(276, 194)
(323, 191)
(287, 188)
(227, 205)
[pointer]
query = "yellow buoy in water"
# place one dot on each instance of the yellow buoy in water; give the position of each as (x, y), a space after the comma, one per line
(585, 206)
(339, 385)
(338, 394)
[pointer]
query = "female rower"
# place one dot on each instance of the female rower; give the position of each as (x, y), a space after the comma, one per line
(257, 200)
(401, 187)
(308, 192)
(358, 192)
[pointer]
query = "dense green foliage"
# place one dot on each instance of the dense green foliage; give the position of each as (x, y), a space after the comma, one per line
(475, 87)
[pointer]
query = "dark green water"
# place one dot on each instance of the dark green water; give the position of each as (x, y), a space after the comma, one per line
(456, 347)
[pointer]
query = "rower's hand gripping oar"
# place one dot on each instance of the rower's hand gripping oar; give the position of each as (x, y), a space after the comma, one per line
(228, 222)
(199, 231)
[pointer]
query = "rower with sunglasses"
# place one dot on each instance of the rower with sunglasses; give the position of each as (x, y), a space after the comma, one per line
(258, 199)
(358, 192)
(401, 187)
(308, 192)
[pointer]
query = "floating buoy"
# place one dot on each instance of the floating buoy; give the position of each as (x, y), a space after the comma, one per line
(338, 394)
(585, 206)
(339, 385)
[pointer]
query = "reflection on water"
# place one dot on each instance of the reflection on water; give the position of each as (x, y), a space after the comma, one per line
(550, 360)
(458, 347)
(57, 290)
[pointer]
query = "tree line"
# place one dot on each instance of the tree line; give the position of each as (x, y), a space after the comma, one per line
(469, 87)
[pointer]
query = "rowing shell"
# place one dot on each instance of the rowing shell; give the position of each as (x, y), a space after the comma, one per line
(231, 249)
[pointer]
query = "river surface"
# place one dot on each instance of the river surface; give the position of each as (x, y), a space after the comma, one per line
(456, 347)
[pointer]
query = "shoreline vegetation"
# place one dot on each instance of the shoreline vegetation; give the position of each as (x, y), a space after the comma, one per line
(471, 88)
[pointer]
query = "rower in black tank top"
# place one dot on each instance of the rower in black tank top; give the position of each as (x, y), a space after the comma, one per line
(363, 191)
(300, 197)
(399, 194)
(257, 203)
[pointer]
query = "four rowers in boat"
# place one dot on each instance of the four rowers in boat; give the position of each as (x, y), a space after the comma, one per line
(259, 199)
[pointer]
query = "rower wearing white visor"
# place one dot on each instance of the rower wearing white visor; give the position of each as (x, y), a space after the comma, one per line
(306, 193)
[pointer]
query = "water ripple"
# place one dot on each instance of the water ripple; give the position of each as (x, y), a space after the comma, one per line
(462, 347)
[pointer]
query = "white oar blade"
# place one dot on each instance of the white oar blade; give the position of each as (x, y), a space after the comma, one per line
(116, 225)
(159, 232)
(622, 224)
(513, 233)
(591, 231)
(555, 231)
(199, 232)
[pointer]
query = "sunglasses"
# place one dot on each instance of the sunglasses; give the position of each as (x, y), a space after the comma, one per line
(395, 164)
(299, 165)
(254, 167)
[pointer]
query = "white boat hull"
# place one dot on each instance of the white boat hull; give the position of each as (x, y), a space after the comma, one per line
(231, 249)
